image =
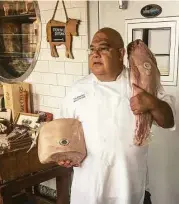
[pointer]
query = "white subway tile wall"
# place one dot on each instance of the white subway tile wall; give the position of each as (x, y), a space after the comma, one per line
(52, 77)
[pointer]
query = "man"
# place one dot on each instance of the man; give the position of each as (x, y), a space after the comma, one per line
(114, 171)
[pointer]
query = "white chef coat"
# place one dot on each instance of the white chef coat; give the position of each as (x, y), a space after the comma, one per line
(114, 171)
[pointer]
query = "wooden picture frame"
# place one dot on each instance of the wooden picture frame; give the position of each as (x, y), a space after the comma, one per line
(27, 119)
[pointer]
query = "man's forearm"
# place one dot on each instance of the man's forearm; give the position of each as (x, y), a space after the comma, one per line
(162, 114)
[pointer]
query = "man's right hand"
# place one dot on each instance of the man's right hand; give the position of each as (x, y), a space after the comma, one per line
(68, 164)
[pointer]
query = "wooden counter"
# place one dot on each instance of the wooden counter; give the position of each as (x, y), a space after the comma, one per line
(20, 170)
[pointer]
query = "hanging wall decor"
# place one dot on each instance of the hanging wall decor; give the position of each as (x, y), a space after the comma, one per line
(60, 33)
(151, 11)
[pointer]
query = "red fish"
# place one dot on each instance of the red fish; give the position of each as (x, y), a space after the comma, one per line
(145, 74)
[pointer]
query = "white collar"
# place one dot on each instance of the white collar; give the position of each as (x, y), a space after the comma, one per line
(96, 80)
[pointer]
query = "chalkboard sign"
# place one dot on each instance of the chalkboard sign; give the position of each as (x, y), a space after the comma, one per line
(58, 33)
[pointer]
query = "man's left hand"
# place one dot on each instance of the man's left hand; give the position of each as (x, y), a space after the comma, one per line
(142, 102)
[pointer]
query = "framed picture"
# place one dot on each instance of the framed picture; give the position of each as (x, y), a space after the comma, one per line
(27, 119)
(6, 114)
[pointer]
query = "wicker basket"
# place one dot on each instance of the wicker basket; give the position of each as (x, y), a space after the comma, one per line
(20, 163)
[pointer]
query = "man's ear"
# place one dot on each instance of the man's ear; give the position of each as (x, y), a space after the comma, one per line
(122, 53)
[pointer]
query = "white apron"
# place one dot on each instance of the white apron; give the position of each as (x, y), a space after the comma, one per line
(114, 171)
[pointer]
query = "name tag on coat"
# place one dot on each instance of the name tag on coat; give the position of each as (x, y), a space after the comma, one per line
(79, 98)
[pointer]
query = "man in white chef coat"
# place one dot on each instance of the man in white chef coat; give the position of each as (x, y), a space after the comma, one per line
(114, 171)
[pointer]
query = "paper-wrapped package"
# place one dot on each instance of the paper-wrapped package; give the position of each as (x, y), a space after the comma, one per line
(60, 140)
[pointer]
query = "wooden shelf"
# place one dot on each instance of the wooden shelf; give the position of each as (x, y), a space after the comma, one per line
(17, 34)
(22, 55)
(21, 18)
(43, 200)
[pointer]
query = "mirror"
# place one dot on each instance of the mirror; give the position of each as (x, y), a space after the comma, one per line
(20, 36)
